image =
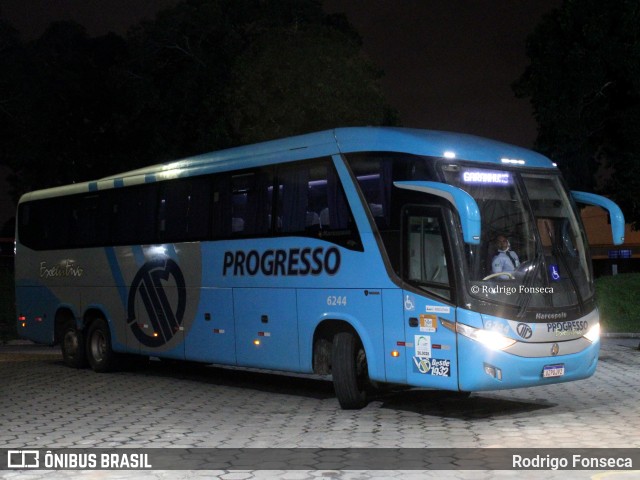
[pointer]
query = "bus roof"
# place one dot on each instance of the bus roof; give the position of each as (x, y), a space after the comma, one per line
(313, 145)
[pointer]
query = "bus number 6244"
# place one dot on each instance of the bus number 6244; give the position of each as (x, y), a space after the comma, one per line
(337, 301)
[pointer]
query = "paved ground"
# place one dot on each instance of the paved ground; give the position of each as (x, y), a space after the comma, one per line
(44, 404)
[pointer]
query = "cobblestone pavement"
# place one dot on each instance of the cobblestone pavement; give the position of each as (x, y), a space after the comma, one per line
(44, 404)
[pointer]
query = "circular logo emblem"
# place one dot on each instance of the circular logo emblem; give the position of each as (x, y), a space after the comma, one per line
(160, 286)
(555, 349)
(524, 330)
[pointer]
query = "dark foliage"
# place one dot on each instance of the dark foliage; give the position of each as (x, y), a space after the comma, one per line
(204, 75)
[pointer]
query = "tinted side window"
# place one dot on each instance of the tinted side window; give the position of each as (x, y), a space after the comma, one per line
(374, 175)
(184, 210)
(425, 253)
(309, 198)
(133, 214)
(249, 201)
(44, 223)
(89, 220)
(376, 172)
(311, 202)
(29, 229)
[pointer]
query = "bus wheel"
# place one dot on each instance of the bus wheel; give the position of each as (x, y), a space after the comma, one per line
(349, 370)
(99, 353)
(72, 346)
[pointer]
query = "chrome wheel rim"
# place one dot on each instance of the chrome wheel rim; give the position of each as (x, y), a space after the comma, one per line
(98, 346)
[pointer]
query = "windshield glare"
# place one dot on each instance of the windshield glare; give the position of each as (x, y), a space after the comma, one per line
(532, 252)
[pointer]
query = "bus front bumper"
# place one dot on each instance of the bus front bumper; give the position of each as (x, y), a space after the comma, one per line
(481, 368)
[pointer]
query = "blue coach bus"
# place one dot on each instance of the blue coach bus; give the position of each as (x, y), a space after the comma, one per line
(364, 253)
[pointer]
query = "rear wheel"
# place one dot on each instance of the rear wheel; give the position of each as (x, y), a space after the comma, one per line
(72, 346)
(99, 353)
(350, 371)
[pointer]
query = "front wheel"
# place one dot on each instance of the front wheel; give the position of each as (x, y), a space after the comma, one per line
(349, 370)
(99, 353)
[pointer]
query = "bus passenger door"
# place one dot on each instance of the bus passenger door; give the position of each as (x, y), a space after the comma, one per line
(430, 347)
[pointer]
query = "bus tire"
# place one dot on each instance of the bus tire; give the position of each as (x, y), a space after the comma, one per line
(349, 371)
(101, 356)
(73, 346)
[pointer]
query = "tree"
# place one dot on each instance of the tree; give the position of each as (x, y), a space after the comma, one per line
(300, 79)
(64, 120)
(584, 85)
(204, 75)
(209, 74)
(13, 76)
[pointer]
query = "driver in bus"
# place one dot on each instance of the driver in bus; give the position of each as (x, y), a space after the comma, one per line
(505, 260)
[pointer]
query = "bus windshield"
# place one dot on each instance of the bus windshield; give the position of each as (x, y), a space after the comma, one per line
(532, 252)
(544, 263)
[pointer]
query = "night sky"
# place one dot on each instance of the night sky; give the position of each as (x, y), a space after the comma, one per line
(448, 64)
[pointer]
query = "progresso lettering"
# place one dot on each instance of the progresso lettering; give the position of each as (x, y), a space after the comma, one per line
(279, 262)
(573, 326)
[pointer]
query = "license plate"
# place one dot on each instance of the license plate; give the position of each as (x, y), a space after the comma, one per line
(553, 371)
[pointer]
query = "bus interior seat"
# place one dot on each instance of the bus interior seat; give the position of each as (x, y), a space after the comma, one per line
(436, 265)
(237, 225)
(312, 222)
(312, 219)
(324, 218)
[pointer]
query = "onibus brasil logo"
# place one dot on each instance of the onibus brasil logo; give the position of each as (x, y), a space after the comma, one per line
(161, 288)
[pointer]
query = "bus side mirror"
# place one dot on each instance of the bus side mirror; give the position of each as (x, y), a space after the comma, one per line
(617, 217)
(463, 202)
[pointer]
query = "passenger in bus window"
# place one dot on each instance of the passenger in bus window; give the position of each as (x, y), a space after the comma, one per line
(505, 260)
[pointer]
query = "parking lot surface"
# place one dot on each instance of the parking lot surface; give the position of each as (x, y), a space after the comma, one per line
(46, 405)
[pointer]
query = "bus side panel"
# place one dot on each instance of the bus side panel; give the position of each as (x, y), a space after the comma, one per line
(394, 336)
(42, 283)
(360, 308)
(156, 298)
(212, 335)
(266, 328)
(432, 355)
(38, 305)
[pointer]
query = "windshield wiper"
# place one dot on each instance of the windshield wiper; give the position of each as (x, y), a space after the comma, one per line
(557, 252)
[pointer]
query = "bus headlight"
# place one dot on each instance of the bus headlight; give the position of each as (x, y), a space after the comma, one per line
(593, 334)
(491, 340)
